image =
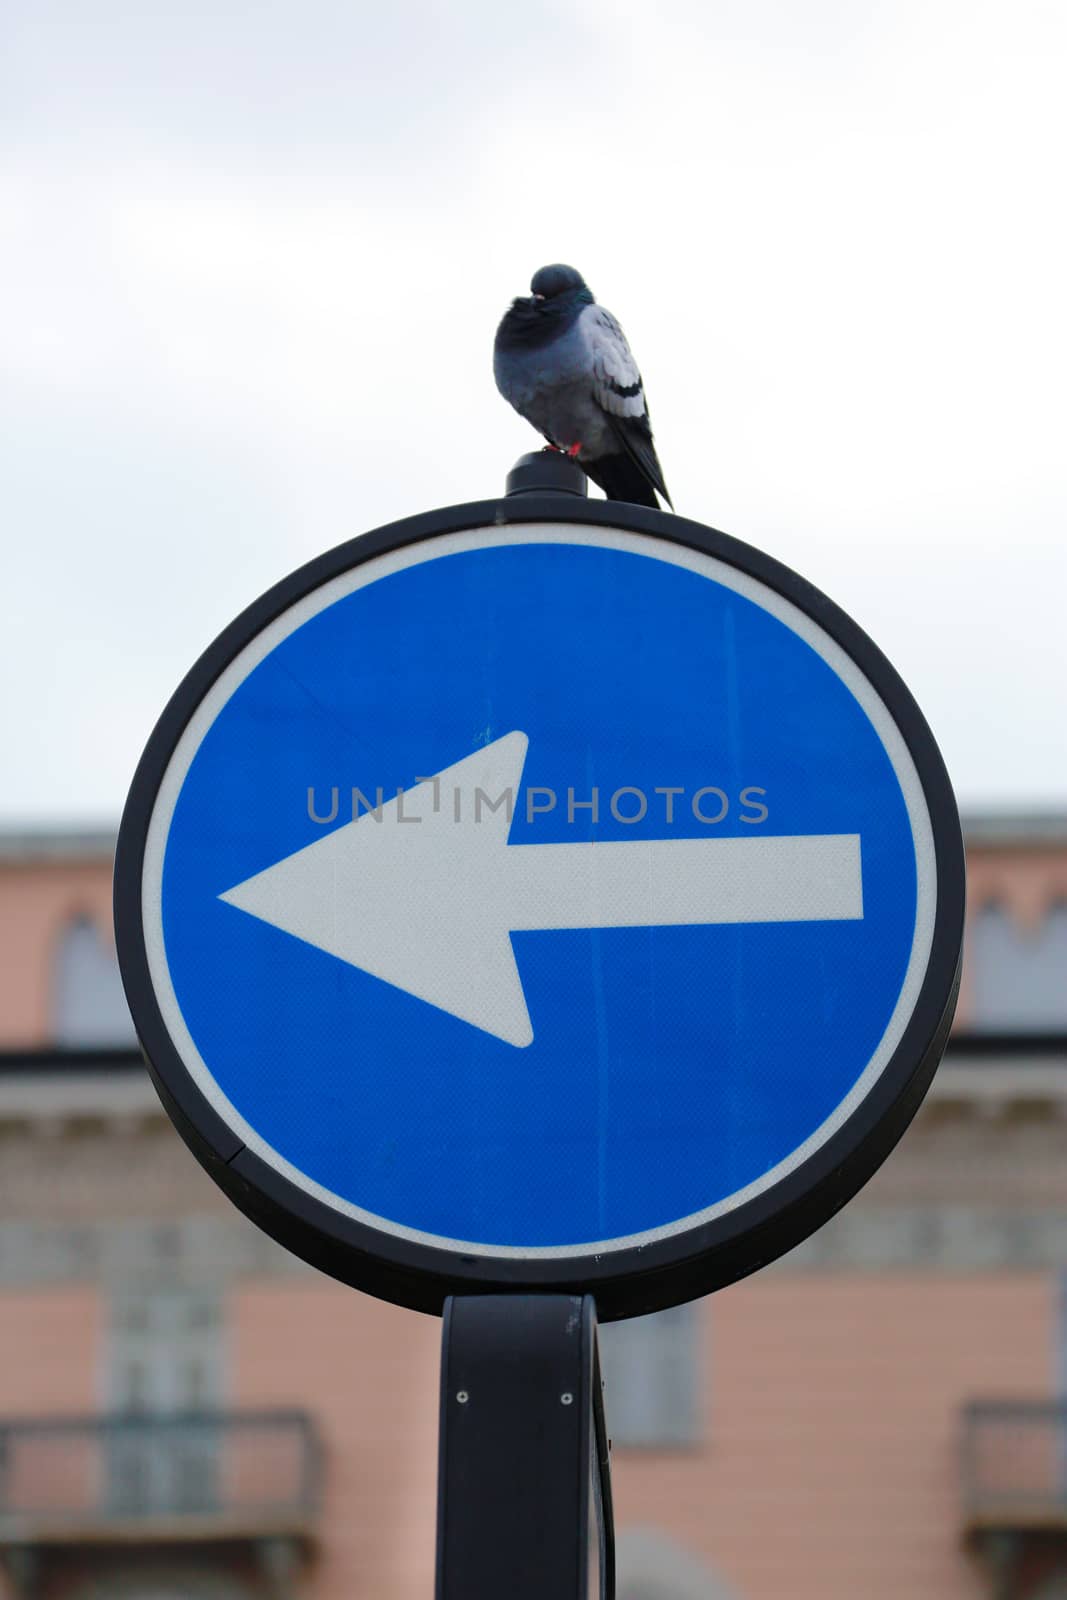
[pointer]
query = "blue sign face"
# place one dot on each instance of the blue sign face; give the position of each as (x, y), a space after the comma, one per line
(538, 890)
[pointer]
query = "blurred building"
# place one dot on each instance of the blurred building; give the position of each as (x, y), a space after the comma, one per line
(186, 1410)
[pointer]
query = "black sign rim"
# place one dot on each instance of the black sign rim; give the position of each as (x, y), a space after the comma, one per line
(629, 1281)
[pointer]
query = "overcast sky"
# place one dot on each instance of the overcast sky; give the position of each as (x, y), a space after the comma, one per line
(252, 258)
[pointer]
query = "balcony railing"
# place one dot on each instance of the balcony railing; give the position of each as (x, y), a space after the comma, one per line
(133, 1478)
(1015, 1466)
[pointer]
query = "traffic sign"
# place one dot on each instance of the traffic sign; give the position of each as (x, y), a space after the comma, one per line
(541, 894)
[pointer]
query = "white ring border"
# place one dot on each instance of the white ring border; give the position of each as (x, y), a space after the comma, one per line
(437, 548)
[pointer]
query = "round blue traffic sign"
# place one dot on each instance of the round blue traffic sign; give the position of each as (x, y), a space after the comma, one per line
(541, 894)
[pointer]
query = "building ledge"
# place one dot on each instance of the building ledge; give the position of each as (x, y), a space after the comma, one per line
(94, 1092)
(248, 1479)
(71, 1061)
(53, 1087)
(996, 1072)
(42, 1533)
(982, 1046)
(1009, 1522)
(1014, 1468)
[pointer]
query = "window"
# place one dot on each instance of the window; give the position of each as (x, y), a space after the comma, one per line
(651, 1566)
(651, 1377)
(88, 1006)
(1019, 976)
(164, 1362)
(165, 1350)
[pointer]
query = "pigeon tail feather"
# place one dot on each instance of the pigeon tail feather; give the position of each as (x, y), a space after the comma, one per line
(621, 479)
(635, 436)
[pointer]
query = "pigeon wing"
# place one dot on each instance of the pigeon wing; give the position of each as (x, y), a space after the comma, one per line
(620, 394)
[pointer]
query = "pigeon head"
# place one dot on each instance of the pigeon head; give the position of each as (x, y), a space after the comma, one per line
(549, 282)
(558, 296)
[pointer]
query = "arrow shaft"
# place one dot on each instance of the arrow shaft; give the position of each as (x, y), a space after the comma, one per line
(667, 882)
(430, 908)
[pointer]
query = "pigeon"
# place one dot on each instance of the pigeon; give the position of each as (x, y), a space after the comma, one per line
(563, 362)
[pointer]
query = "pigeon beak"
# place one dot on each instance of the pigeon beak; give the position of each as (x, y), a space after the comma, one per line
(538, 297)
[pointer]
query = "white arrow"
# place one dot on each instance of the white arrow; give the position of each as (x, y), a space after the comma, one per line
(424, 894)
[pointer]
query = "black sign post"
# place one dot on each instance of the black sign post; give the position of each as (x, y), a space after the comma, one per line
(524, 1496)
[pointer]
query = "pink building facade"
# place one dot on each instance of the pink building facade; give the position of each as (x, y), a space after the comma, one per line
(187, 1410)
